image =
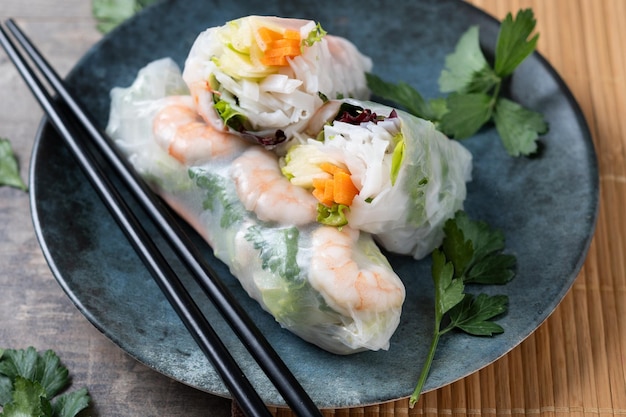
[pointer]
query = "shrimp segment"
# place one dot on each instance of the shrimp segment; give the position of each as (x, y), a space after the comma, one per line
(263, 189)
(352, 285)
(180, 131)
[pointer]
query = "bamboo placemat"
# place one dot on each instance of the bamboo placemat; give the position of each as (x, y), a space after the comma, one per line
(574, 364)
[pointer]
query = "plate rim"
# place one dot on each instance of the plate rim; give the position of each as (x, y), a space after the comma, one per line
(591, 157)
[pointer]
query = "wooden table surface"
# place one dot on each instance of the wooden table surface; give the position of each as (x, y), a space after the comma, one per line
(573, 365)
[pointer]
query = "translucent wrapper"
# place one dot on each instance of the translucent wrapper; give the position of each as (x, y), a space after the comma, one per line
(267, 76)
(411, 178)
(297, 221)
(331, 287)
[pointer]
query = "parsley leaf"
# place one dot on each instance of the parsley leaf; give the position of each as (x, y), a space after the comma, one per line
(29, 399)
(448, 290)
(29, 382)
(278, 258)
(473, 314)
(466, 114)
(466, 245)
(475, 250)
(474, 88)
(216, 193)
(513, 46)
(9, 172)
(471, 80)
(46, 369)
(518, 127)
(110, 13)
(464, 64)
(16, 363)
(52, 375)
(71, 403)
(6, 387)
(402, 94)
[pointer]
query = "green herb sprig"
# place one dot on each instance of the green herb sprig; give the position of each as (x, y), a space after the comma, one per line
(30, 382)
(471, 252)
(474, 88)
(9, 172)
(110, 13)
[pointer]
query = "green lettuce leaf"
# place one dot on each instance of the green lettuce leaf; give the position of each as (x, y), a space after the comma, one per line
(336, 215)
(315, 35)
(231, 117)
(397, 157)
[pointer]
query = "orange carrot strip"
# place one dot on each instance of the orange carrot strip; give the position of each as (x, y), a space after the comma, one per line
(274, 61)
(338, 189)
(319, 183)
(329, 193)
(278, 46)
(268, 35)
(285, 51)
(292, 34)
(319, 190)
(343, 188)
(332, 169)
(281, 43)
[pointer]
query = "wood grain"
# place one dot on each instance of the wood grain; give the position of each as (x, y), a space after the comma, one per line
(574, 364)
(34, 311)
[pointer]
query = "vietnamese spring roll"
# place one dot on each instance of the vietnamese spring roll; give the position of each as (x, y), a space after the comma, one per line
(331, 286)
(381, 171)
(264, 77)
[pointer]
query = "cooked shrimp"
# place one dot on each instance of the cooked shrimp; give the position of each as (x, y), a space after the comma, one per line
(352, 285)
(203, 101)
(184, 135)
(263, 189)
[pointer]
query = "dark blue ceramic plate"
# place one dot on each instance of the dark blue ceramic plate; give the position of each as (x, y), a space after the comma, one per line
(546, 206)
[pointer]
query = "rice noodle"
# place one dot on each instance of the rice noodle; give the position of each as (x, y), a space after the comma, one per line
(225, 60)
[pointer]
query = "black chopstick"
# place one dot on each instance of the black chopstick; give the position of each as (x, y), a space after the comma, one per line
(252, 338)
(189, 312)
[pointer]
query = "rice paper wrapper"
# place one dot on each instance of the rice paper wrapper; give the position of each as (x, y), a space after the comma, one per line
(283, 267)
(405, 197)
(430, 189)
